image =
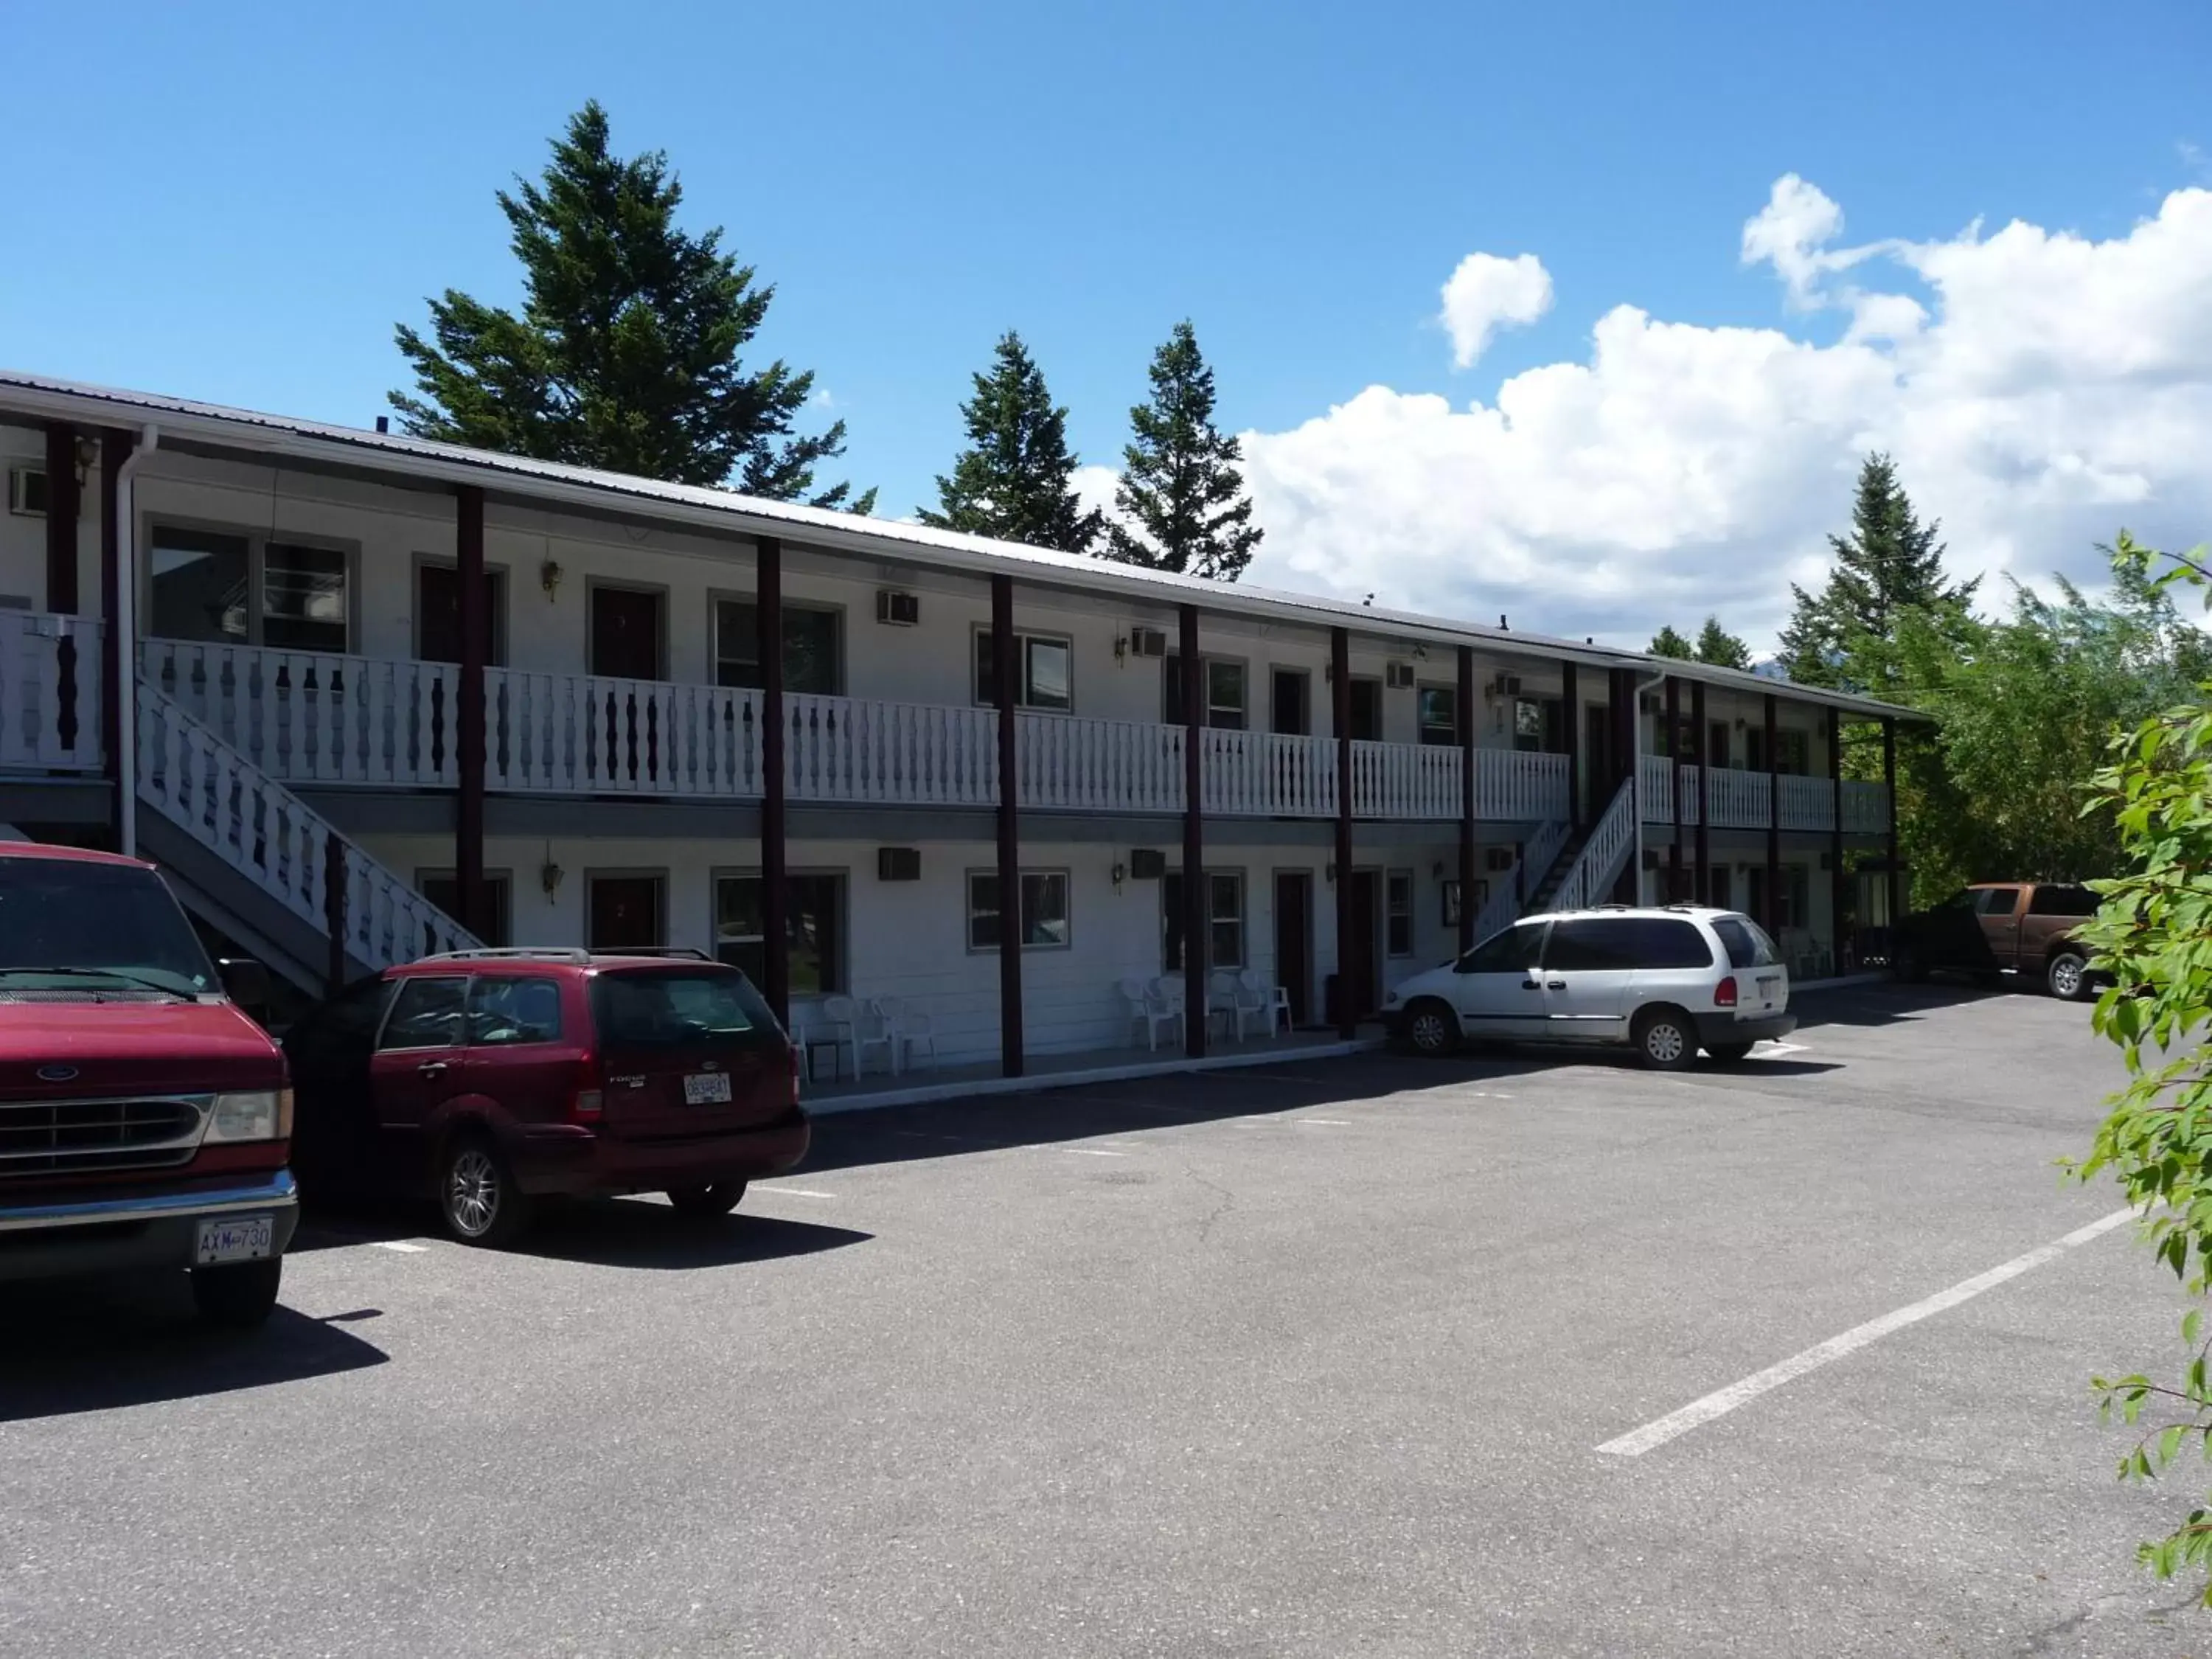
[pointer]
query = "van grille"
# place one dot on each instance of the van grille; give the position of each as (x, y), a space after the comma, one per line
(69, 1136)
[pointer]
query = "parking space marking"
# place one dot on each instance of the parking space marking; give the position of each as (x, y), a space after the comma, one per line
(403, 1246)
(791, 1192)
(1774, 1047)
(1095, 1151)
(1333, 1123)
(1721, 1401)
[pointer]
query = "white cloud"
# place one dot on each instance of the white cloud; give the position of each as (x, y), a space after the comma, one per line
(1486, 294)
(2038, 389)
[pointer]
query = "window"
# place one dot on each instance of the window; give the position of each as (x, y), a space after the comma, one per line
(813, 646)
(427, 1013)
(1223, 707)
(230, 588)
(2062, 902)
(1996, 901)
(1745, 941)
(1224, 931)
(438, 613)
(1534, 724)
(1366, 711)
(625, 912)
(443, 889)
(1399, 906)
(679, 1008)
(504, 1011)
(1514, 951)
(1438, 707)
(814, 916)
(1045, 672)
(1793, 753)
(1591, 944)
(1044, 922)
(1792, 901)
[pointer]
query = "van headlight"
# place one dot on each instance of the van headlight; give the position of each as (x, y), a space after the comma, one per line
(1390, 997)
(250, 1115)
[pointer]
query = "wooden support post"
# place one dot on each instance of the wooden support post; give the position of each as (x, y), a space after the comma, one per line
(1701, 739)
(1339, 669)
(62, 510)
(1772, 920)
(775, 897)
(118, 679)
(1889, 787)
(469, 692)
(1006, 670)
(1674, 752)
(1570, 704)
(1628, 886)
(1196, 912)
(1464, 715)
(1836, 883)
(334, 909)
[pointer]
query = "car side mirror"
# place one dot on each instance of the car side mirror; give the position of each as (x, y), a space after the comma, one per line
(244, 981)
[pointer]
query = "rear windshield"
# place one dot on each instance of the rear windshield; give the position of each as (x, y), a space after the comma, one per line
(95, 927)
(1745, 941)
(660, 1009)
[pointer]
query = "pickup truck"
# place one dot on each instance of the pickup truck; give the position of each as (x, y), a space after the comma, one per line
(144, 1118)
(2017, 928)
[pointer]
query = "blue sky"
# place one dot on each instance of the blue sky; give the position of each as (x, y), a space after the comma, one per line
(255, 194)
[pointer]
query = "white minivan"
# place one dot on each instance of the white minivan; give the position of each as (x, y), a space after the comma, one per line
(1665, 981)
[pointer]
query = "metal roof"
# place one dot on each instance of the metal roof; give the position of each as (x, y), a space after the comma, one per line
(703, 507)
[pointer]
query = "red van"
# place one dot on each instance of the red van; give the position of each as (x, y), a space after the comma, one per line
(144, 1118)
(486, 1078)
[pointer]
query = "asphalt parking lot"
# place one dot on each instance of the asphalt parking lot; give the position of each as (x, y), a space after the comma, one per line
(1316, 1359)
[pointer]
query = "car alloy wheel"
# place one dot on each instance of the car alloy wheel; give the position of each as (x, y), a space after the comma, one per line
(473, 1192)
(2068, 973)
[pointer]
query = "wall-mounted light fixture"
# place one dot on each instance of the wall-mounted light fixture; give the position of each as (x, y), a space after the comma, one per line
(88, 452)
(548, 577)
(1121, 655)
(549, 875)
(1437, 868)
(1120, 874)
(1329, 873)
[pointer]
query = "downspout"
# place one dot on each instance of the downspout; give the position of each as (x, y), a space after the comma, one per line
(1636, 770)
(125, 624)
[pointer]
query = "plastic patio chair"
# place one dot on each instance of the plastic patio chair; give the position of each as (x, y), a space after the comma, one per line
(904, 1030)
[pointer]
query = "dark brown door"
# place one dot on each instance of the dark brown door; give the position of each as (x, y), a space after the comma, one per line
(1294, 940)
(1289, 712)
(1357, 952)
(438, 614)
(1597, 761)
(1367, 711)
(626, 632)
(1999, 909)
(625, 912)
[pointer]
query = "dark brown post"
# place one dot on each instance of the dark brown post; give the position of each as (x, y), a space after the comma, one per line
(1889, 788)
(1005, 672)
(1772, 920)
(475, 646)
(1701, 738)
(1465, 716)
(61, 518)
(1674, 786)
(767, 608)
(1570, 700)
(1836, 836)
(117, 677)
(1195, 909)
(1339, 669)
(1628, 887)
(334, 908)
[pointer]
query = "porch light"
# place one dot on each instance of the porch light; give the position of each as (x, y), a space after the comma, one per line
(1120, 874)
(549, 877)
(548, 577)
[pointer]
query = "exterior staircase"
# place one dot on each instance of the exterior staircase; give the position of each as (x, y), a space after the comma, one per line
(252, 858)
(1586, 876)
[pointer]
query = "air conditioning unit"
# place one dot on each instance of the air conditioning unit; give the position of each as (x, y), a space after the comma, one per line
(1398, 676)
(1148, 642)
(897, 610)
(1148, 864)
(1505, 685)
(898, 864)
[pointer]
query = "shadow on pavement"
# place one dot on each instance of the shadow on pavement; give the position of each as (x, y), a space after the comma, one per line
(1887, 1004)
(624, 1232)
(97, 1345)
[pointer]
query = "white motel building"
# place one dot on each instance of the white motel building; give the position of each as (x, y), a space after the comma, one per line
(363, 696)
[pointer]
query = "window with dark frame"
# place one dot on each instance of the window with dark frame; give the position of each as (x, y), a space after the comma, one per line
(443, 889)
(438, 613)
(1225, 707)
(1398, 930)
(813, 642)
(1225, 930)
(1044, 915)
(814, 926)
(1044, 678)
(1438, 709)
(626, 912)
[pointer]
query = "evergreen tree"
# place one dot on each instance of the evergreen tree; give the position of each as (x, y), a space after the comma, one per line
(1180, 489)
(1717, 646)
(1890, 564)
(1013, 482)
(1667, 642)
(625, 355)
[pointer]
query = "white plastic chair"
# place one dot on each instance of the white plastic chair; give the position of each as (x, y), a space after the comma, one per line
(1146, 1006)
(843, 1016)
(1168, 992)
(1273, 1001)
(1222, 998)
(905, 1030)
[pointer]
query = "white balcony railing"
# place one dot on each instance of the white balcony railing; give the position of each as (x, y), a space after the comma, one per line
(50, 702)
(1740, 799)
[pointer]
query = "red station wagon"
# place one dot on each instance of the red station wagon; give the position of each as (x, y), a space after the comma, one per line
(486, 1078)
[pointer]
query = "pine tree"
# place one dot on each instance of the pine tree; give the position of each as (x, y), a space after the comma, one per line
(1717, 646)
(1668, 642)
(625, 356)
(1889, 564)
(1013, 482)
(1180, 489)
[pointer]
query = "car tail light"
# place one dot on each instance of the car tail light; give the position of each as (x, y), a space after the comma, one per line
(583, 1104)
(1724, 992)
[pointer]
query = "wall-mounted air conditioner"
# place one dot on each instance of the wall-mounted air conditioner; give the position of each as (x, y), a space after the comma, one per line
(1505, 685)
(898, 864)
(1398, 676)
(897, 610)
(1148, 864)
(1148, 642)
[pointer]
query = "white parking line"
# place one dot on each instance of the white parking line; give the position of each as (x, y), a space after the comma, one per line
(1095, 1151)
(1774, 1047)
(1721, 1401)
(1333, 1123)
(402, 1245)
(792, 1191)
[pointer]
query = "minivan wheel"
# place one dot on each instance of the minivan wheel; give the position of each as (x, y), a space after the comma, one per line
(238, 1294)
(1664, 1040)
(1431, 1029)
(477, 1198)
(719, 1199)
(2068, 976)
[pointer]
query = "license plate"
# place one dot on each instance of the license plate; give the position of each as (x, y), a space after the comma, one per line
(705, 1088)
(234, 1238)
(1766, 984)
